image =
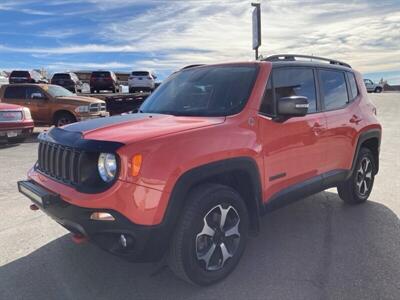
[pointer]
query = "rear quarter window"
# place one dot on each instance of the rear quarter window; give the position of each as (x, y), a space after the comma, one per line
(334, 89)
(353, 86)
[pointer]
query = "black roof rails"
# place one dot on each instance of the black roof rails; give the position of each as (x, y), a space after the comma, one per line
(192, 66)
(292, 57)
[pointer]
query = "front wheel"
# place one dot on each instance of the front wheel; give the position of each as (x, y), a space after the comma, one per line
(62, 119)
(358, 187)
(211, 235)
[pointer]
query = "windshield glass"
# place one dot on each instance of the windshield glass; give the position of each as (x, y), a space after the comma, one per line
(58, 91)
(204, 91)
(61, 76)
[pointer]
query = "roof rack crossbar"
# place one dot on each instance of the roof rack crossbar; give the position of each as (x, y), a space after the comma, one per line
(292, 57)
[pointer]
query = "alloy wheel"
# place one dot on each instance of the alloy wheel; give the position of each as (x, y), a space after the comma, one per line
(364, 176)
(219, 238)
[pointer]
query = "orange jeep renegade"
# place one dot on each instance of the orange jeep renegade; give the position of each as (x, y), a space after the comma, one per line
(210, 151)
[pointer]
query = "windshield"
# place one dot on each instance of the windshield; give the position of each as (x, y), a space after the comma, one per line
(19, 74)
(101, 74)
(61, 76)
(140, 73)
(58, 91)
(204, 91)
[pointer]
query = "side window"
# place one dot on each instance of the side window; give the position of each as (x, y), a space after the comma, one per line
(14, 92)
(296, 82)
(334, 89)
(267, 104)
(353, 86)
(34, 92)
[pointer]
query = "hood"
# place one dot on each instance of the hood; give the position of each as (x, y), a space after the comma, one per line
(131, 128)
(79, 100)
(7, 106)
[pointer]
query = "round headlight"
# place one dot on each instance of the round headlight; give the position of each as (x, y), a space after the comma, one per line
(107, 166)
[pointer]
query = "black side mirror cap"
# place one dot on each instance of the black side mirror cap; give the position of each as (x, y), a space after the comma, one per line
(293, 106)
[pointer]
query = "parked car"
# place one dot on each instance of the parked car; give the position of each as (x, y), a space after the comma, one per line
(141, 81)
(104, 80)
(53, 104)
(213, 149)
(16, 123)
(69, 80)
(32, 76)
(373, 87)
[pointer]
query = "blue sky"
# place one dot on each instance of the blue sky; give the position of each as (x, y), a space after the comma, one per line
(165, 35)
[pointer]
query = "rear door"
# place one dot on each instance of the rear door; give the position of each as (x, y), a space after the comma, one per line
(339, 100)
(293, 149)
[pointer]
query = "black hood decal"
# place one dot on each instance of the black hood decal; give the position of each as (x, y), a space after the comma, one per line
(73, 139)
(103, 122)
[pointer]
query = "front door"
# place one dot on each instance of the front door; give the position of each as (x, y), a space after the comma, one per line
(293, 149)
(38, 103)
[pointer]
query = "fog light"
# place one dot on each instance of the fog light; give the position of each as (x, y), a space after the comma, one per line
(101, 216)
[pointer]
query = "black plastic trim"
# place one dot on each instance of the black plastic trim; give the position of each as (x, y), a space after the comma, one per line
(147, 243)
(306, 188)
(364, 136)
(200, 174)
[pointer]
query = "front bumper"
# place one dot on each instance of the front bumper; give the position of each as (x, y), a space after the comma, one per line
(102, 114)
(142, 243)
(15, 130)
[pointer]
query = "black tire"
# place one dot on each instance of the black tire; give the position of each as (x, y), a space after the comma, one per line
(16, 140)
(378, 90)
(63, 118)
(204, 203)
(351, 191)
(92, 91)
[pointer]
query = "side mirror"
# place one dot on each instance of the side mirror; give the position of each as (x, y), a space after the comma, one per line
(39, 96)
(293, 106)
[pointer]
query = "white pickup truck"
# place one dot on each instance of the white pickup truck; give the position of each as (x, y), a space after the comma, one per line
(373, 87)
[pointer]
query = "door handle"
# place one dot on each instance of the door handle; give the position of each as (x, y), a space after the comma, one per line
(355, 119)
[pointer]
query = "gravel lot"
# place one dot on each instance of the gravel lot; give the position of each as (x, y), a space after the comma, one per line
(317, 248)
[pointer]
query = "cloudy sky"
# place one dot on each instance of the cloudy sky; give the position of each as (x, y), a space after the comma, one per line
(166, 35)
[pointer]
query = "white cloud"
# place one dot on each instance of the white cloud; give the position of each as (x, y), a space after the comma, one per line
(365, 34)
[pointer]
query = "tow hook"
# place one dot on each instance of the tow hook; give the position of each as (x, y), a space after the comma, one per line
(34, 207)
(78, 238)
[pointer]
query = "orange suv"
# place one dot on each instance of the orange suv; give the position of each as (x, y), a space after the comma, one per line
(53, 104)
(211, 150)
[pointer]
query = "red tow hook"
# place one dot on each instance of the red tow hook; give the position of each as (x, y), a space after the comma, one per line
(78, 238)
(33, 207)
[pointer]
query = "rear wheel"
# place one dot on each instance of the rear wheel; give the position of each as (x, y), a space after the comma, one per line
(211, 236)
(378, 90)
(358, 187)
(63, 118)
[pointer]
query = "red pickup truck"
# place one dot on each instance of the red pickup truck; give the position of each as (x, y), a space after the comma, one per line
(15, 123)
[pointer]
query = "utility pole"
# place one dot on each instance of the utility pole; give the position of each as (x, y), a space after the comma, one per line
(256, 17)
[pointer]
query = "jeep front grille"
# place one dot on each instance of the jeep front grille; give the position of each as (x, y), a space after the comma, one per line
(59, 162)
